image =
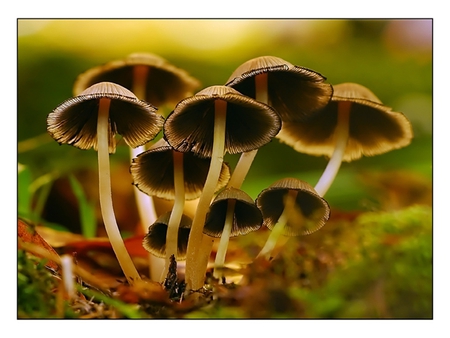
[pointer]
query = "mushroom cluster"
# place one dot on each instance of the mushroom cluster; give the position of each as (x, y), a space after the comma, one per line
(263, 99)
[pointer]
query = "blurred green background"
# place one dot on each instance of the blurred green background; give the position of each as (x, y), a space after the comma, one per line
(393, 58)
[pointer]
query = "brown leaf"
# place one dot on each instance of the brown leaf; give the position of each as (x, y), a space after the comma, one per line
(27, 233)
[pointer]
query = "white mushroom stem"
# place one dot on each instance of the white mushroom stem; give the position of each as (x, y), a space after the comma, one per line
(176, 213)
(106, 204)
(224, 239)
(196, 266)
(240, 172)
(277, 231)
(245, 161)
(67, 275)
(341, 136)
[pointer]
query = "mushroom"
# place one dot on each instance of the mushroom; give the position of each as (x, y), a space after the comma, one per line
(153, 79)
(353, 124)
(290, 207)
(91, 120)
(295, 92)
(216, 120)
(155, 240)
(177, 176)
(149, 76)
(232, 213)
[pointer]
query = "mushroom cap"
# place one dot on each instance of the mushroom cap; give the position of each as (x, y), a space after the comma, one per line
(74, 121)
(295, 92)
(153, 172)
(166, 84)
(155, 240)
(309, 214)
(247, 217)
(249, 124)
(374, 128)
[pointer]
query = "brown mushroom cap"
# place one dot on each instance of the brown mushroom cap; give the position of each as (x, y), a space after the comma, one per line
(311, 210)
(247, 217)
(374, 128)
(295, 92)
(153, 172)
(249, 124)
(74, 121)
(155, 240)
(166, 84)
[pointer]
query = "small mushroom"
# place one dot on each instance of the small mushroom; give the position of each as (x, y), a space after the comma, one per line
(166, 173)
(216, 120)
(91, 120)
(153, 172)
(232, 213)
(353, 124)
(290, 207)
(155, 240)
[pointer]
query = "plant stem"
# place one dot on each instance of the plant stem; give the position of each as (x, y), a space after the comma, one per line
(195, 266)
(341, 136)
(106, 205)
(176, 213)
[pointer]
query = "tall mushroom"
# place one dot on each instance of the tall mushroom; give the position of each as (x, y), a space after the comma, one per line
(290, 207)
(149, 76)
(295, 92)
(91, 120)
(353, 124)
(153, 79)
(216, 120)
(166, 173)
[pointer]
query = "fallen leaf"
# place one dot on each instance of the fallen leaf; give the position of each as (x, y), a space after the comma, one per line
(28, 233)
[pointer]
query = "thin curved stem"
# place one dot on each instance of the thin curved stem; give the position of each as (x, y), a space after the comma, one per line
(106, 205)
(224, 239)
(176, 213)
(341, 136)
(278, 229)
(195, 266)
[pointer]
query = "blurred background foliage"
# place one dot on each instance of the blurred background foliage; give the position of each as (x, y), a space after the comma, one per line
(391, 57)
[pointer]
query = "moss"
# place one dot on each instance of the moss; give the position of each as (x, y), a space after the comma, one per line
(36, 289)
(390, 275)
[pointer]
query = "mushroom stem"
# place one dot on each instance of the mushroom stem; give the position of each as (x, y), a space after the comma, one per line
(195, 265)
(341, 136)
(246, 159)
(176, 213)
(224, 239)
(277, 230)
(241, 169)
(145, 204)
(106, 205)
(140, 75)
